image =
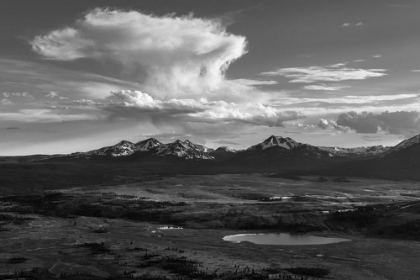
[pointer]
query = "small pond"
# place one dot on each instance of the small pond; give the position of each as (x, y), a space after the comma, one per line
(282, 239)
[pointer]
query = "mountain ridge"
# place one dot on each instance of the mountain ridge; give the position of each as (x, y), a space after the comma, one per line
(273, 144)
(274, 154)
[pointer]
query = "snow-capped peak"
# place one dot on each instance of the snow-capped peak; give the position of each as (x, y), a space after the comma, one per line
(408, 143)
(276, 141)
(185, 149)
(122, 148)
(147, 145)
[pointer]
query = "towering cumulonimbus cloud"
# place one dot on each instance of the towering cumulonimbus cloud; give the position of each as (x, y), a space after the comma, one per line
(179, 54)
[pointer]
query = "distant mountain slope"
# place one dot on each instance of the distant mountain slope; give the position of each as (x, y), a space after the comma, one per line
(277, 145)
(184, 149)
(406, 152)
(370, 151)
(287, 144)
(279, 152)
(223, 153)
(407, 144)
(399, 162)
(148, 147)
(123, 148)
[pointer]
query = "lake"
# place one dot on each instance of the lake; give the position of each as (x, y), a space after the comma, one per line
(282, 239)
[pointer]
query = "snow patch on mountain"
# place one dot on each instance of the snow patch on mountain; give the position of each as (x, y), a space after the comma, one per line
(147, 145)
(184, 149)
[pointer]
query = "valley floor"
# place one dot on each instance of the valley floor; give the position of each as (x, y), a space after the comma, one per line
(111, 230)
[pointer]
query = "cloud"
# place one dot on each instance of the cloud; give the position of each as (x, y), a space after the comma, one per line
(16, 94)
(293, 132)
(45, 116)
(337, 65)
(178, 54)
(325, 74)
(325, 87)
(348, 99)
(39, 79)
(226, 142)
(173, 136)
(372, 138)
(304, 126)
(52, 94)
(11, 128)
(248, 82)
(6, 101)
(11, 97)
(377, 56)
(400, 122)
(347, 24)
(131, 103)
(331, 124)
(300, 125)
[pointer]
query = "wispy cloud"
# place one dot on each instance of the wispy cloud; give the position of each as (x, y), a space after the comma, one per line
(249, 82)
(325, 74)
(226, 142)
(16, 94)
(347, 99)
(348, 24)
(370, 138)
(39, 79)
(325, 87)
(45, 115)
(173, 135)
(11, 128)
(307, 55)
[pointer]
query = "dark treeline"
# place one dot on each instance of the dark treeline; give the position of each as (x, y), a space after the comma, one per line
(43, 274)
(59, 205)
(362, 216)
(96, 248)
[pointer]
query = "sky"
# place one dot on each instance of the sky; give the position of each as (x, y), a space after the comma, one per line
(80, 75)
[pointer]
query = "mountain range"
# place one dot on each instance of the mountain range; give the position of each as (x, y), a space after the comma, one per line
(151, 157)
(273, 145)
(275, 153)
